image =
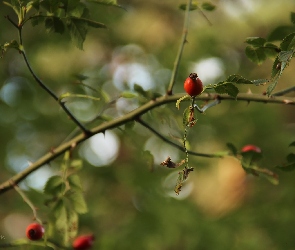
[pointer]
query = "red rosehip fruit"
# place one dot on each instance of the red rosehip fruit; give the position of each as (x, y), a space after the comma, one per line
(250, 147)
(83, 242)
(193, 85)
(35, 231)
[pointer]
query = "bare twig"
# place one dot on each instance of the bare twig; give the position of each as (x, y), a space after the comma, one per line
(140, 121)
(180, 50)
(284, 91)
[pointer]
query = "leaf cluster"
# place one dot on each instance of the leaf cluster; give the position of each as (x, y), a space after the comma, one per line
(259, 49)
(65, 200)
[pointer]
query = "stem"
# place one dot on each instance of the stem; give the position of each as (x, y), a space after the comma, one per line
(180, 50)
(27, 200)
(7, 185)
(51, 93)
(140, 121)
(284, 91)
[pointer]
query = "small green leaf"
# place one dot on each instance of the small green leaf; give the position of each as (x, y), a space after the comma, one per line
(77, 201)
(128, 94)
(256, 55)
(139, 89)
(291, 158)
(276, 67)
(74, 182)
(78, 30)
(293, 17)
(76, 164)
(238, 80)
(72, 224)
(54, 185)
(66, 95)
(226, 88)
(288, 42)
(208, 6)
(256, 41)
(193, 6)
(258, 82)
(272, 86)
(292, 144)
(60, 213)
(185, 117)
(271, 50)
(54, 24)
(280, 32)
(285, 56)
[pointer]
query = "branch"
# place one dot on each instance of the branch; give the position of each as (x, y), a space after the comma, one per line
(140, 121)
(133, 115)
(284, 91)
(180, 50)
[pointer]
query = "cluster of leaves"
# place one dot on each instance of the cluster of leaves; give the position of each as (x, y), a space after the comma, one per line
(249, 161)
(259, 49)
(59, 16)
(290, 165)
(65, 200)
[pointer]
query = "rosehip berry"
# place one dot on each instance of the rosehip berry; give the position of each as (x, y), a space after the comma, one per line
(35, 231)
(83, 242)
(250, 147)
(193, 85)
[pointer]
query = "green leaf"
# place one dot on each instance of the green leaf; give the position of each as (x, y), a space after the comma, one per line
(226, 88)
(232, 148)
(288, 42)
(72, 224)
(128, 94)
(74, 181)
(272, 86)
(280, 32)
(78, 30)
(256, 55)
(256, 41)
(208, 6)
(140, 90)
(285, 56)
(238, 80)
(107, 3)
(185, 117)
(293, 17)
(60, 213)
(54, 185)
(258, 82)
(183, 6)
(66, 95)
(276, 67)
(292, 144)
(54, 24)
(271, 50)
(76, 164)
(77, 201)
(291, 158)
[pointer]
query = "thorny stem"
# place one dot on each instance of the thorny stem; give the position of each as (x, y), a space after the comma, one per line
(180, 50)
(53, 154)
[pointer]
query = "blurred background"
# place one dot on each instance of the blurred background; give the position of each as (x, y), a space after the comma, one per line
(132, 205)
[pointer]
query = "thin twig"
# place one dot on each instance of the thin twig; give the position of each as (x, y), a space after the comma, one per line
(140, 121)
(50, 92)
(53, 154)
(284, 91)
(180, 50)
(27, 200)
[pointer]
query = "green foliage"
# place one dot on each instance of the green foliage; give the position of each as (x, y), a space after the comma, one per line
(290, 165)
(66, 201)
